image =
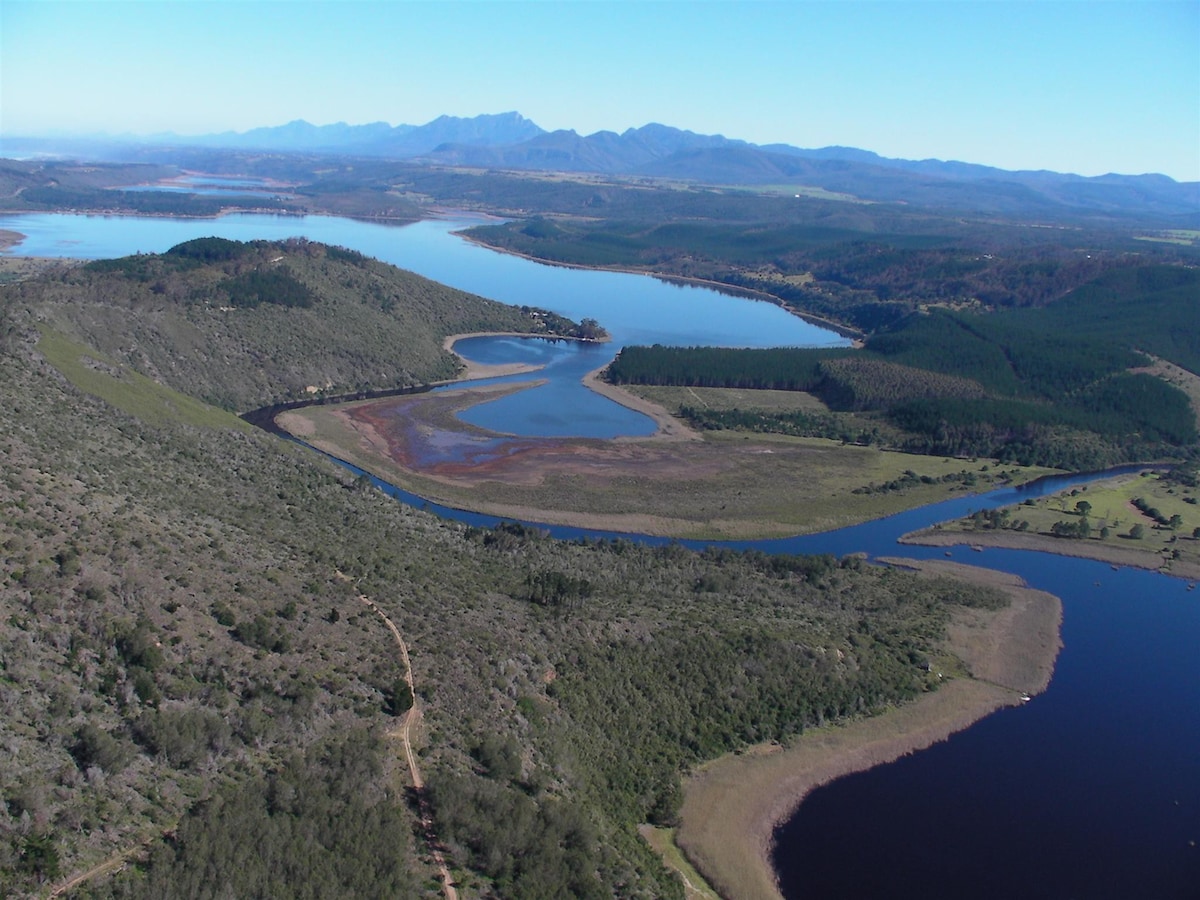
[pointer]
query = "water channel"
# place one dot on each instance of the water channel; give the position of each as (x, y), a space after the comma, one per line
(1092, 790)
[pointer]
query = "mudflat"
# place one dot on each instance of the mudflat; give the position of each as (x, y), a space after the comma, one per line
(676, 483)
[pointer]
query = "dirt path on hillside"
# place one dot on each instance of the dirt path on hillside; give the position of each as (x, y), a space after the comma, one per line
(404, 732)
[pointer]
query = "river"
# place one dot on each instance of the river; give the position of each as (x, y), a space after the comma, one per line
(1091, 790)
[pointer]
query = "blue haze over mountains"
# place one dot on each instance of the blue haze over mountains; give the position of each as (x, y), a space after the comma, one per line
(510, 141)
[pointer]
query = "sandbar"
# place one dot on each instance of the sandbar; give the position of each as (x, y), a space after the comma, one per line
(473, 370)
(733, 805)
(670, 428)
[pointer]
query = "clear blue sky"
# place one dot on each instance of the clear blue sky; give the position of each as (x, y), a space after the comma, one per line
(1087, 86)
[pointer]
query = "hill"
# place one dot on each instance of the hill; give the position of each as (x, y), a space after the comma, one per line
(241, 325)
(189, 677)
(1068, 385)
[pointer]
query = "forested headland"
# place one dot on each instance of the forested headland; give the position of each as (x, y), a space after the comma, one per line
(240, 325)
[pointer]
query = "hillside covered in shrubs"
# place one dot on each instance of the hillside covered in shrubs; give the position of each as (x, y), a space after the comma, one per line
(189, 677)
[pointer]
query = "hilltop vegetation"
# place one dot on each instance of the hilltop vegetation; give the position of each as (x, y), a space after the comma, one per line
(241, 325)
(185, 664)
(1047, 386)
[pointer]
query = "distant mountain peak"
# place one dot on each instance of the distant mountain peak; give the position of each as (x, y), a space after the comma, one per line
(510, 140)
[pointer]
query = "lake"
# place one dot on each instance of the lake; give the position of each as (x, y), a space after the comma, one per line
(1091, 790)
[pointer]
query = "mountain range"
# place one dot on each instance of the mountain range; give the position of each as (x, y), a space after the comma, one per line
(511, 141)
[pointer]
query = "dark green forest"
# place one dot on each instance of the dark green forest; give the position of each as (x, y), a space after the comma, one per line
(1049, 385)
(862, 268)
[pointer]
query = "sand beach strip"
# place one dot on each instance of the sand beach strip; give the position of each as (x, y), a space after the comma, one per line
(732, 805)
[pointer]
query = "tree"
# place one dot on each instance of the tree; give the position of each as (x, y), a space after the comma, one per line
(1083, 507)
(1138, 531)
(401, 699)
(590, 330)
(39, 856)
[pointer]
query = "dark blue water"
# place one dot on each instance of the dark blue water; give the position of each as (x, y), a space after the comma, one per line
(1092, 790)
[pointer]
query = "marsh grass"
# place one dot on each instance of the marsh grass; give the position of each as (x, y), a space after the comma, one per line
(728, 485)
(672, 398)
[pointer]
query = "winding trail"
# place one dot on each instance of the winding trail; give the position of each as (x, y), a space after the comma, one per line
(411, 717)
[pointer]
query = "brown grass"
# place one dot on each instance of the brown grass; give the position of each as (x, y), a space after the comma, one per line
(718, 485)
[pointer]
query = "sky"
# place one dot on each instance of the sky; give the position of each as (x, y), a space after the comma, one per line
(1084, 86)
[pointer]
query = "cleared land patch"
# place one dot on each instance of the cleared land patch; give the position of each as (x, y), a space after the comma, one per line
(1129, 522)
(127, 390)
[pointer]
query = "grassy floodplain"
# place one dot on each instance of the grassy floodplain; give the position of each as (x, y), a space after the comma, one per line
(1118, 530)
(719, 485)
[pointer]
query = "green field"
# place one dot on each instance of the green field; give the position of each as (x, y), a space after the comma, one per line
(130, 391)
(1115, 523)
(673, 398)
(1183, 236)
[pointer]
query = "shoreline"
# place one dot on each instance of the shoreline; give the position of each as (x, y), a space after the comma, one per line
(476, 370)
(10, 239)
(733, 805)
(670, 428)
(672, 437)
(1043, 543)
(719, 286)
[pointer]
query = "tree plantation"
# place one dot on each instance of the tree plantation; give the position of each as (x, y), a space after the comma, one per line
(1049, 386)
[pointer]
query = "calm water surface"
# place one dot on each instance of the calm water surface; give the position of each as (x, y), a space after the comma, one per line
(1092, 790)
